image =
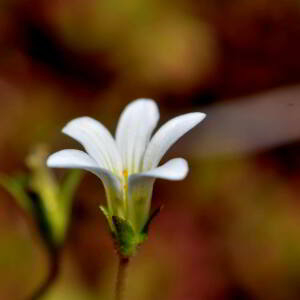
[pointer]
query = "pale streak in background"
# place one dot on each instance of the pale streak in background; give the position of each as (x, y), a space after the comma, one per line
(248, 125)
(241, 126)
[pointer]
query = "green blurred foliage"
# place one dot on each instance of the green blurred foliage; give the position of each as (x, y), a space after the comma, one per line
(38, 193)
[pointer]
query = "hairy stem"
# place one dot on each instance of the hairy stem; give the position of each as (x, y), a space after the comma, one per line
(121, 277)
(52, 275)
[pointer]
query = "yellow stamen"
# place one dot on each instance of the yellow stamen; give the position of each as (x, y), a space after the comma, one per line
(125, 186)
(125, 173)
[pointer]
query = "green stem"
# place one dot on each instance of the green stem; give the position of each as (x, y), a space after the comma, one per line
(121, 277)
(52, 276)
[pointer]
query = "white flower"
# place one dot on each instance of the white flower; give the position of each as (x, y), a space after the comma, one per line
(128, 164)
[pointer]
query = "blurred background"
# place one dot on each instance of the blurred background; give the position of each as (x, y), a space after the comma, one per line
(231, 230)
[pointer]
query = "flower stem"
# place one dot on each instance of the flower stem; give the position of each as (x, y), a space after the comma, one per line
(52, 275)
(121, 277)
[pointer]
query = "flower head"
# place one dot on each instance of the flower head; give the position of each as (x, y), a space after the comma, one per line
(128, 164)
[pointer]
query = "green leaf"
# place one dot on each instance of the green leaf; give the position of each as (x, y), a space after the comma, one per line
(16, 187)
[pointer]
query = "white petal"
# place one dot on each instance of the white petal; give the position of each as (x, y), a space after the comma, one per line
(140, 188)
(97, 141)
(72, 159)
(174, 169)
(76, 159)
(134, 130)
(167, 135)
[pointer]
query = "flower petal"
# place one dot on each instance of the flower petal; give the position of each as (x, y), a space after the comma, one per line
(134, 130)
(174, 169)
(140, 189)
(72, 159)
(167, 135)
(97, 141)
(76, 159)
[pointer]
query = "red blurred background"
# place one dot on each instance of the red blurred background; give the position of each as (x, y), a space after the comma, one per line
(231, 230)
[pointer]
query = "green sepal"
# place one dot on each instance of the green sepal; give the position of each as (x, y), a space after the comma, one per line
(107, 215)
(127, 240)
(149, 222)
